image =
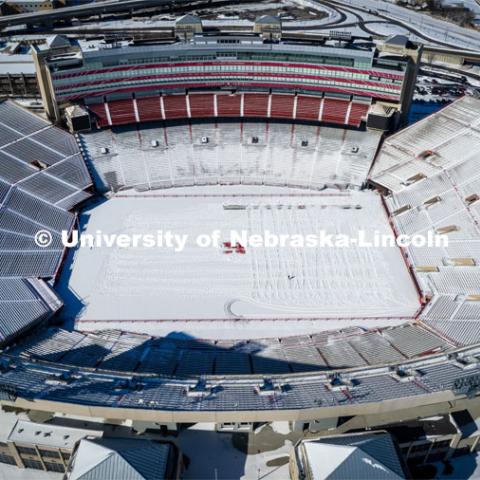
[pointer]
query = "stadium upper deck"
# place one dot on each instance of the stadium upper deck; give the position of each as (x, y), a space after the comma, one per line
(221, 75)
(218, 62)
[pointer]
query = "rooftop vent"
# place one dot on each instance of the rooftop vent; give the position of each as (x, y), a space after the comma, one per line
(414, 179)
(469, 362)
(154, 143)
(304, 143)
(337, 383)
(401, 210)
(204, 140)
(104, 150)
(432, 201)
(254, 139)
(472, 198)
(446, 229)
(39, 164)
(128, 384)
(61, 379)
(270, 388)
(405, 374)
(459, 262)
(202, 389)
(354, 149)
(425, 154)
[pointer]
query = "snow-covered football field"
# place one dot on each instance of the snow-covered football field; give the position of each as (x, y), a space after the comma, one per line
(221, 282)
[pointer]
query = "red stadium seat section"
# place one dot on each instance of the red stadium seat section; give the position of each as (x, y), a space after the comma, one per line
(308, 108)
(175, 106)
(357, 112)
(228, 105)
(122, 112)
(334, 110)
(255, 105)
(282, 106)
(202, 105)
(100, 114)
(248, 105)
(149, 109)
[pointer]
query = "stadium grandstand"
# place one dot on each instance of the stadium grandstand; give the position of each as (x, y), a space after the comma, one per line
(275, 154)
(42, 177)
(257, 110)
(246, 75)
(433, 360)
(431, 170)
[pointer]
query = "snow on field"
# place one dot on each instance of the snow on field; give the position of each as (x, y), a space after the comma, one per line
(222, 282)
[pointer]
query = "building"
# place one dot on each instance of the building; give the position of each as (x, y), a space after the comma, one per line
(221, 75)
(42, 446)
(116, 458)
(354, 456)
(27, 6)
(17, 70)
(269, 27)
(187, 27)
(438, 438)
(17, 75)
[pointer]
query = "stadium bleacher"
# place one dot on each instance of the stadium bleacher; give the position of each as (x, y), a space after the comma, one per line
(42, 176)
(251, 153)
(233, 392)
(129, 352)
(431, 168)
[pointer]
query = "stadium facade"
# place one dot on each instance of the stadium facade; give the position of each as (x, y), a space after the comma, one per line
(241, 75)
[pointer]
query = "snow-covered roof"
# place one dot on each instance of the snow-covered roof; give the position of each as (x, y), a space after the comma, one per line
(372, 456)
(189, 20)
(48, 434)
(120, 459)
(57, 41)
(399, 40)
(16, 64)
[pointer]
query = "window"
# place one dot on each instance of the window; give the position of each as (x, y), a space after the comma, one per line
(27, 450)
(33, 464)
(48, 453)
(54, 467)
(66, 456)
(4, 458)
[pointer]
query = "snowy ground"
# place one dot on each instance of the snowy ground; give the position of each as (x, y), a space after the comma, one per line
(335, 283)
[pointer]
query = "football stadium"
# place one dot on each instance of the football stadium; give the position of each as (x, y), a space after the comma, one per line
(221, 132)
